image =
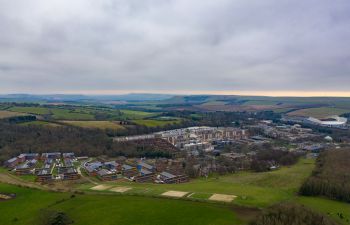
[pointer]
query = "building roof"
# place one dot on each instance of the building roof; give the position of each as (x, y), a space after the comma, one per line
(12, 160)
(145, 172)
(44, 171)
(147, 166)
(167, 175)
(104, 172)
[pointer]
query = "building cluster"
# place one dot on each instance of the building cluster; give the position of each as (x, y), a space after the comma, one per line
(291, 133)
(47, 166)
(141, 171)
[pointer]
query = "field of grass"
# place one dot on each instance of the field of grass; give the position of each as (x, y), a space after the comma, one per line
(95, 124)
(66, 114)
(321, 112)
(155, 123)
(252, 189)
(40, 123)
(111, 209)
(329, 207)
(135, 115)
(32, 110)
(7, 114)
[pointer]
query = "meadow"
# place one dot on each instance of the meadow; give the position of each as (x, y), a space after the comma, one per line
(7, 114)
(106, 209)
(113, 125)
(156, 123)
(252, 189)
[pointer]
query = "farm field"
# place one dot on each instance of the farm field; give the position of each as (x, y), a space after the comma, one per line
(40, 123)
(66, 114)
(7, 114)
(251, 189)
(26, 208)
(135, 115)
(155, 123)
(114, 125)
(321, 112)
(31, 110)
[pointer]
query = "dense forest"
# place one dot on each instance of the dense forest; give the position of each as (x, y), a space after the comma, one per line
(331, 177)
(291, 214)
(17, 139)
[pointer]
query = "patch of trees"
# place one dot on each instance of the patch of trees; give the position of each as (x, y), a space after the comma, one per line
(265, 159)
(16, 139)
(331, 177)
(291, 214)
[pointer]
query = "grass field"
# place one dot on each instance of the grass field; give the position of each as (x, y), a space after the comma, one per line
(32, 110)
(135, 115)
(329, 207)
(7, 114)
(96, 124)
(252, 189)
(40, 123)
(112, 209)
(155, 123)
(66, 114)
(321, 112)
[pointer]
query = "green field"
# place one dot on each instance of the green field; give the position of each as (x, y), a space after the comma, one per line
(96, 124)
(155, 123)
(40, 123)
(32, 110)
(66, 114)
(108, 210)
(321, 112)
(135, 115)
(329, 207)
(252, 189)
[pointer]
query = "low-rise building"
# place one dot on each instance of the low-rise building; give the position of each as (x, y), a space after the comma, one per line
(44, 175)
(169, 178)
(129, 171)
(106, 175)
(145, 176)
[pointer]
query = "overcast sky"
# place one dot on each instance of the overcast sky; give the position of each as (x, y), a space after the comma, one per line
(174, 46)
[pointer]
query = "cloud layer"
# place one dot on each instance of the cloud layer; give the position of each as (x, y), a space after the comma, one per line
(174, 45)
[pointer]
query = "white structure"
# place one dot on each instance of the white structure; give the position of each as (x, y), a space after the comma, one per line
(335, 121)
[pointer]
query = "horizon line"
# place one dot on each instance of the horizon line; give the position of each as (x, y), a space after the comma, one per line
(186, 92)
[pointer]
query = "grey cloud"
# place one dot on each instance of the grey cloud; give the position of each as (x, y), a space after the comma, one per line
(158, 45)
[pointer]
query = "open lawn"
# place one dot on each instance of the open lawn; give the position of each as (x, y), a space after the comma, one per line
(7, 114)
(251, 189)
(321, 112)
(95, 124)
(113, 209)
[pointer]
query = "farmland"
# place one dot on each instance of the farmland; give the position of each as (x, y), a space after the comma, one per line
(40, 123)
(155, 123)
(7, 114)
(114, 125)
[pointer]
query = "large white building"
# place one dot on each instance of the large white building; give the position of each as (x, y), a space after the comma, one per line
(334, 121)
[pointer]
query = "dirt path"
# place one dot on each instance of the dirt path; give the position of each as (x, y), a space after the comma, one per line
(12, 179)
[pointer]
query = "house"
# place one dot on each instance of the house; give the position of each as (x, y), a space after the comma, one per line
(44, 175)
(68, 155)
(92, 168)
(145, 176)
(26, 167)
(106, 175)
(28, 156)
(68, 162)
(51, 155)
(129, 171)
(113, 165)
(169, 178)
(142, 165)
(11, 163)
(69, 173)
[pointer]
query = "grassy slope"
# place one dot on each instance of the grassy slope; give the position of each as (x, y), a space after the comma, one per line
(99, 209)
(65, 114)
(252, 189)
(41, 123)
(133, 114)
(96, 124)
(321, 112)
(326, 206)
